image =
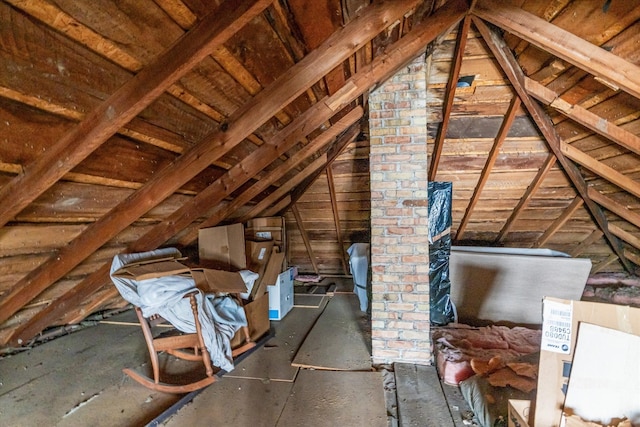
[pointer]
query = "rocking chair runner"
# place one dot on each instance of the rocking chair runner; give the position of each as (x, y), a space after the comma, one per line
(177, 346)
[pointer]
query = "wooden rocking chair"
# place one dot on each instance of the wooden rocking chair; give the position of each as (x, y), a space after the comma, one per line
(183, 346)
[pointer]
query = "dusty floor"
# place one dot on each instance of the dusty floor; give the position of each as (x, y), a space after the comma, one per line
(77, 380)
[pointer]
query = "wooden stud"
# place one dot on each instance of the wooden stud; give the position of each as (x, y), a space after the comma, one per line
(336, 218)
(305, 237)
(526, 197)
(615, 207)
(591, 239)
(491, 160)
(559, 222)
(449, 97)
(625, 235)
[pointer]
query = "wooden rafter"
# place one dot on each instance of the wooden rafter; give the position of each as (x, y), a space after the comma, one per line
(599, 168)
(559, 222)
(615, 207)
(449, 96)
(514, 73)
(625, 235)
(305, 237)
(176, 222)
(104, 121)
(336, 219)
(549, 162)
(583, 116)
(491, 160)
(314, 146)
(279, 208)
(591, 239)
(284, 189)
(243, 122)
(603, 264)
(563, 44)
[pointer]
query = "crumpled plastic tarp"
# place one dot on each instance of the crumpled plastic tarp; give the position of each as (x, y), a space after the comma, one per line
(359, 266)
(441, 308)
(220, 317)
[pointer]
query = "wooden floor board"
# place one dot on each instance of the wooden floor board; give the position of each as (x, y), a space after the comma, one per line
(421, 401)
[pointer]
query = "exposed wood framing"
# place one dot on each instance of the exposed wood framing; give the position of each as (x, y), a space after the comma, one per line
(594, 59)
(603, 264)
(526, 197)
(625, 235)
(592, 238)
(599, 168)
(583, 116)
(336, 218)
(559, 222)
(161, 232)
(242, 123)
(461, 42)
(305, 237)
(507, 61)
(124, 105)
(615, 207)
(491, 160)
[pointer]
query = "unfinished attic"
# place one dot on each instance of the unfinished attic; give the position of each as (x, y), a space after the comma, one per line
(130, 126)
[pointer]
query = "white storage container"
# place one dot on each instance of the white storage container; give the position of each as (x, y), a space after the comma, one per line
(281, 295)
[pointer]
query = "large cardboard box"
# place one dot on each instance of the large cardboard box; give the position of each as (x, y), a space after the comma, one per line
(223, 247)
(257, 318)
(281, 296)
(268, 228)
(560, 329)
(518, 413)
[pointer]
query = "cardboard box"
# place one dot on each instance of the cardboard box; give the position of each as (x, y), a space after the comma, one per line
(518, 413)
(223, 247)
(560, 325)
(281, 295)
(270, 274)
(151, 269)
(208, 280)
(257, 318)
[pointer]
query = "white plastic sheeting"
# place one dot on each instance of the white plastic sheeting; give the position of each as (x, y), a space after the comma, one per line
(220, 317)
(359, 266)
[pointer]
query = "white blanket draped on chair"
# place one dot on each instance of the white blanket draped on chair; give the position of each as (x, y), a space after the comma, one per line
(220, 317)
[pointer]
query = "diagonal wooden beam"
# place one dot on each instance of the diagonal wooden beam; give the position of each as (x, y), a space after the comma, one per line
(336, 219)
(559, 222)
(380, 69)
(176, 221)
(590, 240)
(549, 162)
(278, 208)
(491, 160)
(583, 116)
(512, 70)
(563, 44)
(625, 235)
(599, 168)
(305, 237)
(242, 122)
(125, 104)
(449, 96)
(615, 207)
(266, 181)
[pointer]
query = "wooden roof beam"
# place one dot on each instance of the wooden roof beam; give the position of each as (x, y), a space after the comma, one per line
(305, 237)
(163, 231)
(583, 116)
(514, 73)
(590, 240)
(600, 169)
(559, 222)
(549, 162)
(615, 207)
(563, 44)
(488, 167)
(336, 219)
(133, 97)
(241, 123)
(449, 96)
